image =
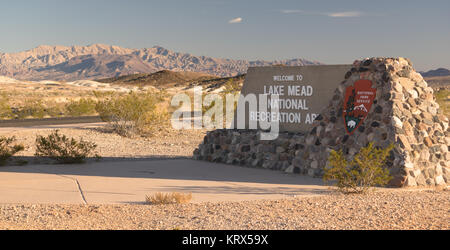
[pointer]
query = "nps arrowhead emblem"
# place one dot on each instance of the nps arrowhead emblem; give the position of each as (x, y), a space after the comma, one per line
(358, 101)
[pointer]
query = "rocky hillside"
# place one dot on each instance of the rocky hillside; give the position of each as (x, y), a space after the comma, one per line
(103, 61)
(160, 79)
(436, 72)
(167, 79)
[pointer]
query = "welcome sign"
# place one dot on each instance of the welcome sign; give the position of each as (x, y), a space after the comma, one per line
(302, 91)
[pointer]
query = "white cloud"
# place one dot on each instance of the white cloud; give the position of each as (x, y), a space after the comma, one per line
(291, 11)
(329, 14)
(235, 20)
(346, 14)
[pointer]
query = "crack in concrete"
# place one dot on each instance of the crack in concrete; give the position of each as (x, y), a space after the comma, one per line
(80, 190)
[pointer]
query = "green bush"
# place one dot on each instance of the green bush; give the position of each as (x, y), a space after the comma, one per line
(133, 113)
(84, 106)
(363, 172)
(5, 110)
(7, 150)
(63, 149)
(443, 99)
(54, 109)
(231, 87)
(33, 108)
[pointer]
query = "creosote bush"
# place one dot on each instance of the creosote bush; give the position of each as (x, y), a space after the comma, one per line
(231, 87)
(363, 172)
(84, 106)
(7, 149)
(31, 109)
(134, 113)
(5, 108)
(63, 149)
(168, 198)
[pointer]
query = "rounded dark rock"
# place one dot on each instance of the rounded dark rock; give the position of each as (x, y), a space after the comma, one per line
(245, 148)
(362, 69)
(378, 109)
(385, 77)
(348, 74)
(367, 63)
(361, 128)
(375, 124)
(346, 150)
(345, 138)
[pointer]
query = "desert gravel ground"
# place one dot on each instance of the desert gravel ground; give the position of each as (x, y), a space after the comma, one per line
(382, 209)
(391, 209)
(172, 144)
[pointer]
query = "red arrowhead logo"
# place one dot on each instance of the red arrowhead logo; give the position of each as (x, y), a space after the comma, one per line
(358, 101)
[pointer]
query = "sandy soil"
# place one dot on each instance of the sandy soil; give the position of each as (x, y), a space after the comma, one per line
(384, 209)
(171, 144)
(393, 209)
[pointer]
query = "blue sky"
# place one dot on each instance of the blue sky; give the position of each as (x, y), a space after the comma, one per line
(327, 31)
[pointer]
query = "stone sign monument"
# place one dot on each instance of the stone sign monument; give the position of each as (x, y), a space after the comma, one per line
(379, 100)
(303, 91)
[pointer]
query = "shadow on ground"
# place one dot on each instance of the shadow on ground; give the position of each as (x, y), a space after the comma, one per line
(161, 167)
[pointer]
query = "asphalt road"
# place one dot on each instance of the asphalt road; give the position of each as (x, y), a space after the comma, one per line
(49, 121)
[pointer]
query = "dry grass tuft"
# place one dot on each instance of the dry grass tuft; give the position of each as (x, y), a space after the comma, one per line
(168, 198)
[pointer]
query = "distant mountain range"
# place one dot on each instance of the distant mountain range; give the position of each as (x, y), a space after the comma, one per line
(436, 72)
(103, 61)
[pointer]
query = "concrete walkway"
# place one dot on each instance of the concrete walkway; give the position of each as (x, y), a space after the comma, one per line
(129, 181)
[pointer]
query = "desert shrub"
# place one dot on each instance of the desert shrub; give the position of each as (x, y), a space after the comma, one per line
(443, 99)
(84, 106)
(5, 108)
(8, 149)
(231, 87)
(31, 109)
(54, 109)
(363, 172)
(63, 149)
(204, 107)
(133, 113)
(152, 121)
(103, 94)
(168, 198)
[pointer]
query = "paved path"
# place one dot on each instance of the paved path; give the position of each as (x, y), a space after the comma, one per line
(128, 181)
(49, 121)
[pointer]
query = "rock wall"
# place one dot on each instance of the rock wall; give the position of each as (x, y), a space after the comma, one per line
(403, 113)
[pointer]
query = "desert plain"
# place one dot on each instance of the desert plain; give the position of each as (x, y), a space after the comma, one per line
(221, 197)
